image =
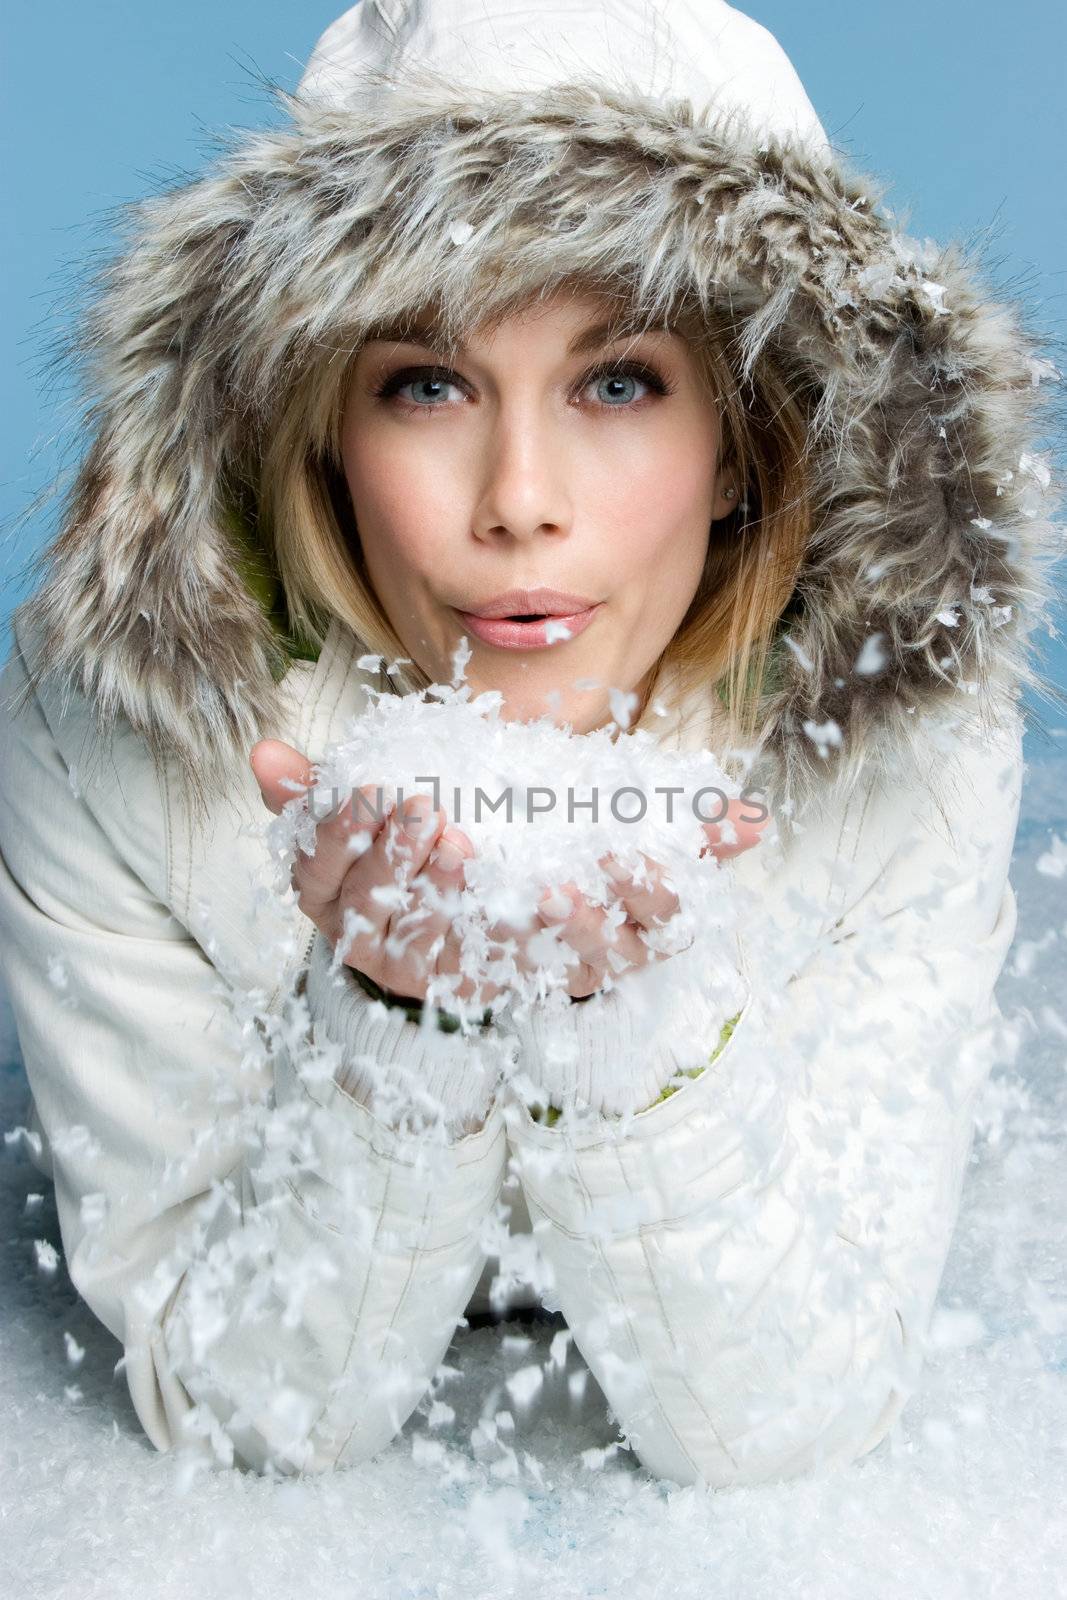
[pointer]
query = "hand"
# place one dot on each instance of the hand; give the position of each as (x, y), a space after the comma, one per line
(747, 831)
(398, 875)
(405, 933)
(649, 904)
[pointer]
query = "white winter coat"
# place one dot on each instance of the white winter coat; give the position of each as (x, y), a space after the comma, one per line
(748, 1269)
(748, 1266)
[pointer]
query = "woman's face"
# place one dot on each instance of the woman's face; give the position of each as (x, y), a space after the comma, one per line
(545, 455)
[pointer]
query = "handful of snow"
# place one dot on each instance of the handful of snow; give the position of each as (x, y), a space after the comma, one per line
(542, 806)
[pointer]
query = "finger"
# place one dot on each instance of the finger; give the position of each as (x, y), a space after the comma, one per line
(412, 832)
(556, 910)
(446, 861)
(281, 772)
(648, 898)
(438, 942)
(603, 943)
(340, 839)
(405, 843)
(382, 874)
(601, 947)
(423, 943)
(427, 923)
(734, 833)
(445, 871)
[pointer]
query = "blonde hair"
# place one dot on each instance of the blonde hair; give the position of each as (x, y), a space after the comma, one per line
(307, 526)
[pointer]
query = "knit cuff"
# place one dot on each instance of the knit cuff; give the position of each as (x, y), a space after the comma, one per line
(616, 1053)
(400, 1069)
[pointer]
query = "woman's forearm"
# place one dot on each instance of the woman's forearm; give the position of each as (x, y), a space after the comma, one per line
(325, 1291)
(735, 1339)
(282, 1267)
(750, 1265)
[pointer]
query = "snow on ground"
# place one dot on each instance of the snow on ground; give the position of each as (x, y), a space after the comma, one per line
(503, 1496)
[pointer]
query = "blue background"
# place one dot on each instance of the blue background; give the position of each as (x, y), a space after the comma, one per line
(956, 104)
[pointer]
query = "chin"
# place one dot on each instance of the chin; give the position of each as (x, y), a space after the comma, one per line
(580, 711)
(526, 681)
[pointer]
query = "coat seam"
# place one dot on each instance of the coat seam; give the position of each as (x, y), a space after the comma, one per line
(168, 835)
(331, 1227)
(677, 1349)
(628, 1324)
(413, 1264)
(385, 1155)
(320, 1419)
(417, 1254)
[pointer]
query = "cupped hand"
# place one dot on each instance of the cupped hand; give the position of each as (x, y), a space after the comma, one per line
(648, 899)
(393, 876)
(395, 879)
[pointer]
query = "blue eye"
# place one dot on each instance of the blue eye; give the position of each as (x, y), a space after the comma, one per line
(426, 388)
(617, 388)
(619, 384)
(616, 380)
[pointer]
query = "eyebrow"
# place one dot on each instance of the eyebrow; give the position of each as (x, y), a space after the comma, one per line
(590, 338)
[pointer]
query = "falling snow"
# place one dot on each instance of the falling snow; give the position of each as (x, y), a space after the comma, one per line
(499, 782)
(510, 1477)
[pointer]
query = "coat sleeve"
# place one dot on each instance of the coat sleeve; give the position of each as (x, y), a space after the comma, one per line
(284, 1270)
(749, 1266)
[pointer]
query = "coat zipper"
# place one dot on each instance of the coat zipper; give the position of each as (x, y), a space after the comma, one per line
(291, 973)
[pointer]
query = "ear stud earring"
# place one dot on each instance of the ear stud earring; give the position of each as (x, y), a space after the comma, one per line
(728, 494)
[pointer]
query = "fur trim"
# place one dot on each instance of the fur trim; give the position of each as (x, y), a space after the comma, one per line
(931, 557)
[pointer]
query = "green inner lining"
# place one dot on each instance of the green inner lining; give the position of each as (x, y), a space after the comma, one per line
(551, 1114)
(257, 572)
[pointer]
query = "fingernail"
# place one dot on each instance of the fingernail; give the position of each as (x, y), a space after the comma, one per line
(555, 904)
(446, 857)
(414, 824)
(616, 873)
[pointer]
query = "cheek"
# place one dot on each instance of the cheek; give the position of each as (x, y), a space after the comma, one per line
(396, 488)
(657, 497)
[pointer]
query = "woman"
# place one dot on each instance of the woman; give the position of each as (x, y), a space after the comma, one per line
(680, 365)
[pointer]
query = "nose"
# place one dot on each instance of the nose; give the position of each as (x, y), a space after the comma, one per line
(525, 487)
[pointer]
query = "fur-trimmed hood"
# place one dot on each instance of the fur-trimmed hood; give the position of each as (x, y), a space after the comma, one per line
(932, 547)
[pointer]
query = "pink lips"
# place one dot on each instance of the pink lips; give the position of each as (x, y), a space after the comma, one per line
(508, 634)
(558, 615)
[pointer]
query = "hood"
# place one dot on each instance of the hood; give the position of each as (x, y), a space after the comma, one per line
(930, 557)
